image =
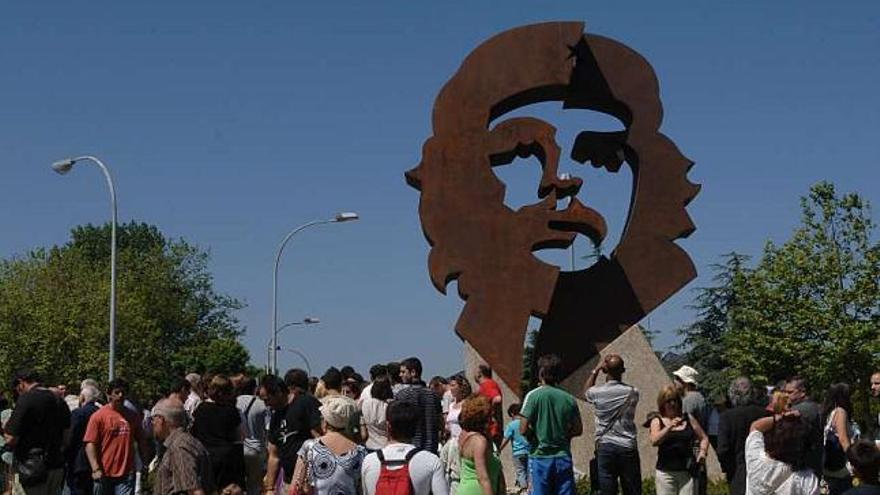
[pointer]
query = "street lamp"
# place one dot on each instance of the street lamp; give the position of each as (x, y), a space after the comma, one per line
(567, 176)
(345, 216)
(62, 167)
(305, 321)
(301, 356)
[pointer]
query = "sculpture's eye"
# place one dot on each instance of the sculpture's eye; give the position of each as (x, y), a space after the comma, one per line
(602, 149)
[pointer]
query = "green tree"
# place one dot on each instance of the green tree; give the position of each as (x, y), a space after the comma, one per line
(170, 320)
(812, 305)
(529, 378)
(703, 340)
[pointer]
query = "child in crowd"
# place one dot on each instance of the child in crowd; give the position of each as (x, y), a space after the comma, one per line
(520, 448)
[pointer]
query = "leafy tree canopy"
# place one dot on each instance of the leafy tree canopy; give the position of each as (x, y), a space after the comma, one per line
(54, 310)
(809, 307)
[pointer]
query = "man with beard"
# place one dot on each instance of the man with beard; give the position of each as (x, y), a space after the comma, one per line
(295, 418)
(427, 436)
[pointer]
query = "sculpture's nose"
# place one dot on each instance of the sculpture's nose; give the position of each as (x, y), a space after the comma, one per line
(563, 185)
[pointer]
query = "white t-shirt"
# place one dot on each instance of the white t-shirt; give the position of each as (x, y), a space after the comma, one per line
(766, 476)
(452, 424)
(366, 393)
(373, 411)
(425, 470)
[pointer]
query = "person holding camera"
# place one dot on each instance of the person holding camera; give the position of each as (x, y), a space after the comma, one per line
(617, 452)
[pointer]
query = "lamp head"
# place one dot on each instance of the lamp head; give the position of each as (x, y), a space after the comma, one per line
(63, 166)
(346, 216)
(311, 320)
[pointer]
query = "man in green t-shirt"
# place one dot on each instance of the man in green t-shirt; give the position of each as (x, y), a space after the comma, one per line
(550, 420)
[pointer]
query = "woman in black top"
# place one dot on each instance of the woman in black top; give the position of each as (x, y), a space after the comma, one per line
(217, 424)
(675, 434)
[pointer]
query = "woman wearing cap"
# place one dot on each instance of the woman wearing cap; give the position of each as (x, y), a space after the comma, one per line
(331, 464)
(674, 434)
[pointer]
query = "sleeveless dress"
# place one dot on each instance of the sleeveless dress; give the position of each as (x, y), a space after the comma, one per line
(676, 451)
(470, 483)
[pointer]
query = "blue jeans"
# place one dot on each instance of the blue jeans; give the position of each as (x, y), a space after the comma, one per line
(551, 475)
(521, 465)
(123, 485)
(615, 463)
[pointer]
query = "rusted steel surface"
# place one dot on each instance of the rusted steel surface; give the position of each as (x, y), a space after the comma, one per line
(488, 247)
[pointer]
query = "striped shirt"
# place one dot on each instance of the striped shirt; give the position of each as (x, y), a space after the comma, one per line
(427, 435)
(184, 466)
(616, 426)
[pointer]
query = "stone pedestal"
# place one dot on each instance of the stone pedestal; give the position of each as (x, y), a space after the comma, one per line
(643, 370)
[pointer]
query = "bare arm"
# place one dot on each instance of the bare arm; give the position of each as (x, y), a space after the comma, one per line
(94, 462)
(659, 430)
(766, 424)
(504, 444)
(591, 382)
(523, 425)
(481, 453)
(298, 480)
(704, 439)
(272, 464)
(841, 419)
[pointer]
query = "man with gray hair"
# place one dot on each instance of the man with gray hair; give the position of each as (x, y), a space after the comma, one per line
(733, 428)
(185, 466)
(811, 416)
(194, 398)
(79, 472)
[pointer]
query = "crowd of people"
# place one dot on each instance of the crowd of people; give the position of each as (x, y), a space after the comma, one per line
(394, 433)
(773, 441)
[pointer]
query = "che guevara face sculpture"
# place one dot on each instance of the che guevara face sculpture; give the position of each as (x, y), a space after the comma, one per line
(488, 247)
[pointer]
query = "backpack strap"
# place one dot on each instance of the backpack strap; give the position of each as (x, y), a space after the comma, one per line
(249, 406)
(397, 462)
(412, 453)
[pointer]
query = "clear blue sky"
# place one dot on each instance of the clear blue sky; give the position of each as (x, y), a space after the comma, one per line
(229, 123)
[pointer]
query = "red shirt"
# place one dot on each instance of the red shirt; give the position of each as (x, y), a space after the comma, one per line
(114, 433)
(489, 389)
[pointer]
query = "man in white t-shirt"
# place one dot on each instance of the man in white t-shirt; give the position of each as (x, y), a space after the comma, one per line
(425, 469)
(376, 371)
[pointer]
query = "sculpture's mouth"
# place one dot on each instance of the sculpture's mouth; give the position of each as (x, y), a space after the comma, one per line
(580, 219)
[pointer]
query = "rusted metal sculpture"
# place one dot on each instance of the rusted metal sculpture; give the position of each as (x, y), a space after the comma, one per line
(488, 247)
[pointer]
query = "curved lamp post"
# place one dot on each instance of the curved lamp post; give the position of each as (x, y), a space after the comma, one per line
(305, 321)
(301, 356)
(62, 167)
(340, 217)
